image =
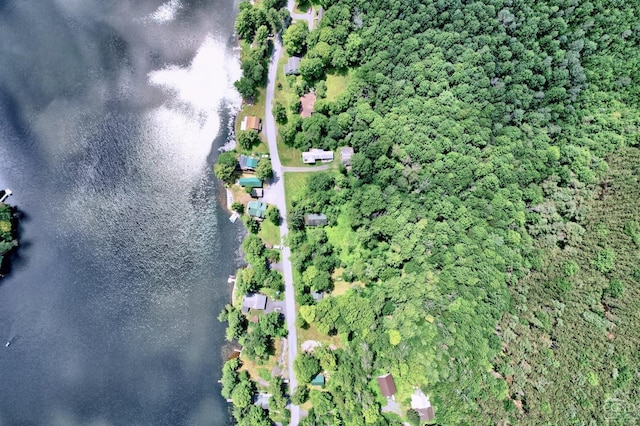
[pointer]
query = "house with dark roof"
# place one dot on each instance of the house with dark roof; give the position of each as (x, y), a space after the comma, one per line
(250, 181)
(247, 163)
(387, 385)
(257, 192)
(254, 301)
(257, 209)
(345, 155)
(292, 66)
(315, 219)
(250, 122)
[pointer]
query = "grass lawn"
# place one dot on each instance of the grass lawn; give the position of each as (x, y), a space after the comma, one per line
(312, 333)
(336, 85)
(341, 237)
(269, 233)
(285, 94)
(254, 368)
(257, 109)
(294, 185)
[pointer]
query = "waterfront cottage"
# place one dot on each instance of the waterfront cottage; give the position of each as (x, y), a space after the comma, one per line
(254, 301)
(250, 122)
(251, 181)
(257, 209)
(247, 163)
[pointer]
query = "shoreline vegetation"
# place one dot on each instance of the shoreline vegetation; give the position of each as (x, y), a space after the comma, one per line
(472, 255)
(8, 236)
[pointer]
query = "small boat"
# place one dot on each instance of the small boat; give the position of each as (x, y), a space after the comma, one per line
(8, 343)
(4, 194)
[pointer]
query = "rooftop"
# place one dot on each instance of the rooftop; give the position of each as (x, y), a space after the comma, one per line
(306, 104)
(387, 385)
(247, 163)
(250, 181)
(251, 122)
(256, 209)
(315, 154)
(254, 301)
(292, 65)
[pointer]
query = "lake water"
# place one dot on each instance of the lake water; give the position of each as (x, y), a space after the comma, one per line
(111, 112)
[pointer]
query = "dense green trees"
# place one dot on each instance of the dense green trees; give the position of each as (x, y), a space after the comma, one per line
(264, 170)
(294, 38)
(247, 139)
(7, 230)
(225, 166)
(253, 25)
(480, 130)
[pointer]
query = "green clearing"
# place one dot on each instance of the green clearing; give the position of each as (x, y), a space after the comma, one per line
(269, 233)
(342, 237)
(255, 109)
(285, 94)
(294, 186)
(312, 333)
(336, 85)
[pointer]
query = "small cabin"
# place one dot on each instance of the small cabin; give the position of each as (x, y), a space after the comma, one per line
(250, 122)
(345, 155)
(315, 219)
(247, 163)
(387, 385)
(318, 380)
(257, 209)
(292, 67)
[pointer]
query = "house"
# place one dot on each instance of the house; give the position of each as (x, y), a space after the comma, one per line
(292, 66)
(256, 209)
(314, 154)
(254, 301)
(318, 380)
(247, 163)
(257, 192)
(250, 122)
(420, 402)
(345, 155)
(317, 296)
(250, 181)
(315, 219)
(387, 385)
(306, 104)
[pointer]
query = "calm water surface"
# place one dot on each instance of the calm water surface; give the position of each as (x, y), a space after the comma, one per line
(110, 115)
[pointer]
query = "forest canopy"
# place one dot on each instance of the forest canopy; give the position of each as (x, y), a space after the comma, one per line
(483, 131)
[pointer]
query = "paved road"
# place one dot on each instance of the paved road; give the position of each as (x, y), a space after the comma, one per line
(306, 169)
(278, 199)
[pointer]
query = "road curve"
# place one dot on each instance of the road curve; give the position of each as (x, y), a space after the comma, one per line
(277, 186)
